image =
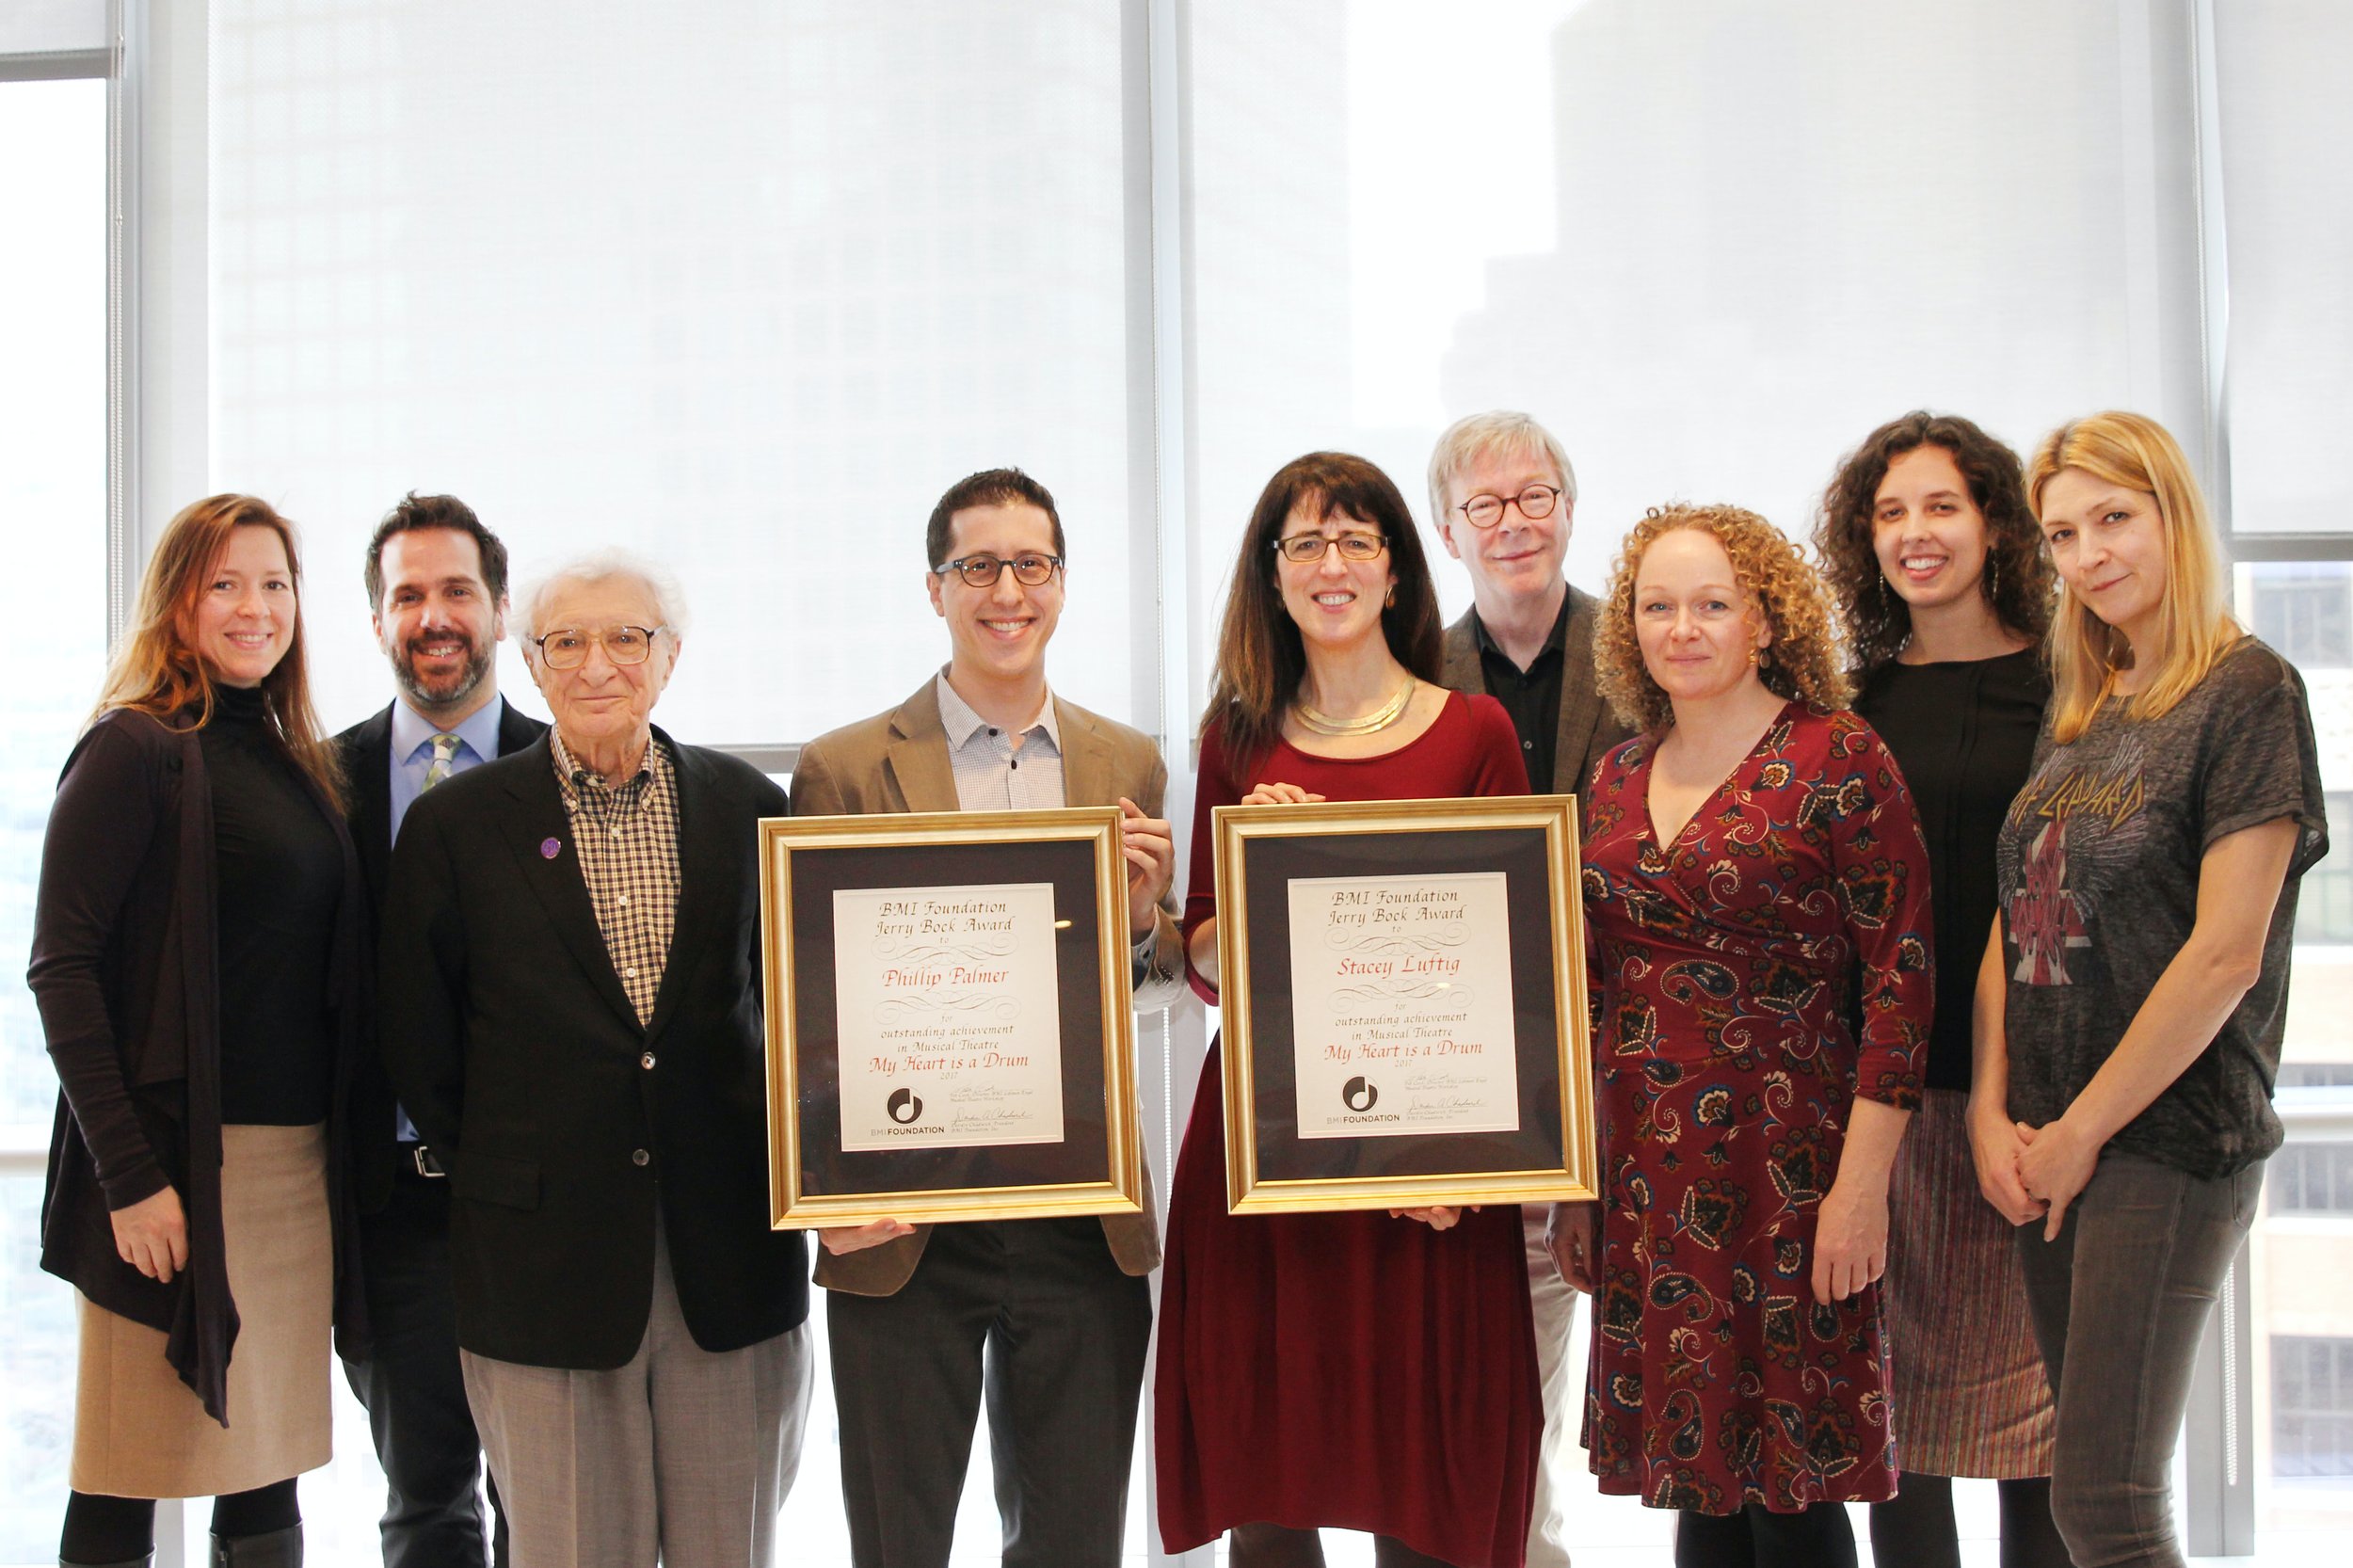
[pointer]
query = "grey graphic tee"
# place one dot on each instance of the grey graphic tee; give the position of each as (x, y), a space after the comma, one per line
(2098, 863)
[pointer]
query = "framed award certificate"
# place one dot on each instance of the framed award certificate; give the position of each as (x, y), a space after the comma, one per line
(1403, 986)
(947, 1011)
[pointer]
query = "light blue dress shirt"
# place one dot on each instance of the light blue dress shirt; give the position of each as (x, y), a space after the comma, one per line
(412, 750)
(412, 759)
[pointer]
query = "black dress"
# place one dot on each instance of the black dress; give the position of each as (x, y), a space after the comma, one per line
(1969, 1395)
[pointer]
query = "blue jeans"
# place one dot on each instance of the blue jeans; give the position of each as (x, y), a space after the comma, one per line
(2119, 1302)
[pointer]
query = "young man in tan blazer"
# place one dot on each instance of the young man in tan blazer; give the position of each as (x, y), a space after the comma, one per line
(1048, 1320)
(1501, 496)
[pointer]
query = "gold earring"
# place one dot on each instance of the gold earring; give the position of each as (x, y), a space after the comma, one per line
(1390, 602)
(1752, 654)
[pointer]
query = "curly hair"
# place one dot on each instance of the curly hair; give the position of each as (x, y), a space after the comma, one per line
(1803, 660)
(2018, 582)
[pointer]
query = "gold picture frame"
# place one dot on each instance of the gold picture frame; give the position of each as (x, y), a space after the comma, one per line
(1097, 1168)
(1532, 841)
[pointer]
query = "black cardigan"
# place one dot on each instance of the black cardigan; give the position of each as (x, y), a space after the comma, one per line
(126, 972)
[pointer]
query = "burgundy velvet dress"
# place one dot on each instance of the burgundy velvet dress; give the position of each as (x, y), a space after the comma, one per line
(1350, 1370)
(1734, 966)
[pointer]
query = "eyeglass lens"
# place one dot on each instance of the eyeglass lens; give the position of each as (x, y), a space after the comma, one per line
(1304, 548)
(980, 571)
(568, 649)
(1535, 505)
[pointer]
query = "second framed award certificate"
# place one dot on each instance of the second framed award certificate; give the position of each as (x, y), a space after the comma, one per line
(1404, 1004)
(949, 1032)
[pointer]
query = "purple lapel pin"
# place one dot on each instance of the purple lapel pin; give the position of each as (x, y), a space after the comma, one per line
(550, 848)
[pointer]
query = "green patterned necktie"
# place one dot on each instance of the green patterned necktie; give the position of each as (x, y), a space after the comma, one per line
(444, 747)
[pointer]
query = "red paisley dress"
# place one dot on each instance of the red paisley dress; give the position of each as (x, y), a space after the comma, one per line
(1735, 969)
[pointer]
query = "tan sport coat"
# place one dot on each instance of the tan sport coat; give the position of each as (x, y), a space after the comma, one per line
(1588, 727)
(898, 761)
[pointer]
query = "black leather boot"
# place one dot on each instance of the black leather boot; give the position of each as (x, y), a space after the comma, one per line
(147, 1562)
(277, 1549)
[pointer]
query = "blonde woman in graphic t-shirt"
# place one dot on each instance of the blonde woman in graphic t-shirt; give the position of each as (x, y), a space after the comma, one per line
(2130, 1014)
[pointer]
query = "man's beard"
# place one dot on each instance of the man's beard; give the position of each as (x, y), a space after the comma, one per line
(455, 688)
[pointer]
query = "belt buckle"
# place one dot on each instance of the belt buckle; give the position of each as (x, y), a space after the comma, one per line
(427, 1166)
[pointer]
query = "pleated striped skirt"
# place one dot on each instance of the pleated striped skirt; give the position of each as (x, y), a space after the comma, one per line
(1968, 1392)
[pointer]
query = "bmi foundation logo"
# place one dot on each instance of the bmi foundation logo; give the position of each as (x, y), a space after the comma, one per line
(1360, 1093)
(904, 1107)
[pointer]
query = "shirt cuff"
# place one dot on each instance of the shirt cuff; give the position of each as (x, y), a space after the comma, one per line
(1140, 952)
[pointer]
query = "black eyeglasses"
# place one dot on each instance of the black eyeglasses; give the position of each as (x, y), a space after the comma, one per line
(1535, 503)
(981, 572)
(1306, 547)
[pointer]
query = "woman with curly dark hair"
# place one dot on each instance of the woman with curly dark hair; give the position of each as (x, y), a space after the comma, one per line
(1749, 859)
(1933, 552)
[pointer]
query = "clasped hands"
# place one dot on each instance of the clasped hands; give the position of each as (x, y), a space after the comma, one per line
(2030, 1172)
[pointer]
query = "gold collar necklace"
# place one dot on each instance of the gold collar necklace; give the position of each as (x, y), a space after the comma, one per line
(1380, 718)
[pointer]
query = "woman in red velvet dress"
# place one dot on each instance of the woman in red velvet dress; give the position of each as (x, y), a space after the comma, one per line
(1364, 1371)
(1756, 891)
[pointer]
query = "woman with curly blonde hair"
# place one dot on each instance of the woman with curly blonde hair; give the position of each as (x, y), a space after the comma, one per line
(1749, 859)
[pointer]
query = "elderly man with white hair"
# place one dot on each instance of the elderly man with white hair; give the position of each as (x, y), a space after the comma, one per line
(572, 1014)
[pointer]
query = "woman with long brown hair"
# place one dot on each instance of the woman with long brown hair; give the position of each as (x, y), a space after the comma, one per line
(1363, 1372)
(2131, 1006)
(197, 960)
(1930, 546)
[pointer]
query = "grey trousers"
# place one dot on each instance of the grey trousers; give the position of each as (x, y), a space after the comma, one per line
(2119, 1302)
(680, 1456)
(1555, 1306)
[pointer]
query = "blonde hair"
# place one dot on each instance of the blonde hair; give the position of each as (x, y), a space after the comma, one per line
(1500, 432)
(1802, 661)
(2194, 624)
(156, 670)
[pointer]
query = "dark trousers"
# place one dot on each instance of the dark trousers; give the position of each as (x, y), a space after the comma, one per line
(1820, 1537)
(1034, 1317)
(2119, 1302)
(414, 1394)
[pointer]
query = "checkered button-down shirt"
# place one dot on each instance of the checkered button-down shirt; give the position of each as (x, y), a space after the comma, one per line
(626, 836)
(1001, 770)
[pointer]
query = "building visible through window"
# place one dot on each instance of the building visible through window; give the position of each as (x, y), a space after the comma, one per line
(2311, 1406)
(2305, 611)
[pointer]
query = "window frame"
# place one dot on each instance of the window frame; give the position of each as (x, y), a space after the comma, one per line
(155, 68)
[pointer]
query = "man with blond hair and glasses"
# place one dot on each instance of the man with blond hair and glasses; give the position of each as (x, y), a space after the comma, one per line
(1502, 495)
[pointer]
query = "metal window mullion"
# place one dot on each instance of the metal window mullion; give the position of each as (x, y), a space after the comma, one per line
(124, 84)
(1158, 103)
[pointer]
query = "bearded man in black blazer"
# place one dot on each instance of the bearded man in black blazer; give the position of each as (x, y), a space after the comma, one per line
(571, 1013)
(436, 599)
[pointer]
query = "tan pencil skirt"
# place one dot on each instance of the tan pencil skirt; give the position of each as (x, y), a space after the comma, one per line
(139, 1431)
